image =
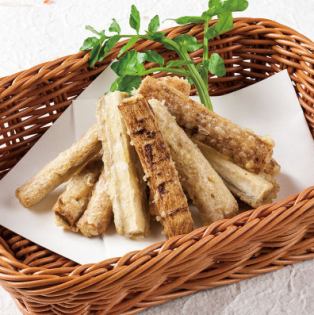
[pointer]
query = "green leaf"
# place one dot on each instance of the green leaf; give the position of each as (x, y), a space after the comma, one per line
(235, 5)
(223, 9)
(215, 7)
(188, 42)
(178, 63)
(111, 42)
(126, 83)
(89, 43)
(216, 65)
(214, 4)
(130, 64)
(115, 27)
(93, 58)
(115, 85)
(189, 19)
(107, 47)
(135, 19)
(224, 24)
(129, 83)
(154, 24)
(131, 42)
(153, 56)
(160, 38)
(157, 37)
(91, 29)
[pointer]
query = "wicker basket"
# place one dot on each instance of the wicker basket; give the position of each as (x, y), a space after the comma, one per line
(252, 243)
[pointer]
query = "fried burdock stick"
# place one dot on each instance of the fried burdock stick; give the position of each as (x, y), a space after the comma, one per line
(251, 188)
(204, 186)
(73, 201)
(163, 180)
(59, 170)
(125, 189)
(243, 146)
(177, 83)
(98, 214)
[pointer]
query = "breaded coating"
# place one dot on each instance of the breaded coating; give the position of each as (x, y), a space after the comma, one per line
(272, 168)
(251, 188)
(73, 201)
(125, 189)
(179, 84)
(60, 169)
(244, 147)
(98, 214)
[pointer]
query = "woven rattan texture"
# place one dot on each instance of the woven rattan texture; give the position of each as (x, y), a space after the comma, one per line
(227, 251)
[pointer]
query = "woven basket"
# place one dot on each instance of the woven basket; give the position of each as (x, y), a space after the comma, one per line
(227, 251)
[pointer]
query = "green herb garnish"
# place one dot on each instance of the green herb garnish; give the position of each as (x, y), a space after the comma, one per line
(129, 65)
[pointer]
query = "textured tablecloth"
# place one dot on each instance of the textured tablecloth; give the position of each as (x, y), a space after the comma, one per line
(32, 32)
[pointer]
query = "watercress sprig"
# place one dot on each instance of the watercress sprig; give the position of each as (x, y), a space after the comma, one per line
(129, 65)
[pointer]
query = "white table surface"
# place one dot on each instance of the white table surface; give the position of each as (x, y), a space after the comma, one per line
(32, 32)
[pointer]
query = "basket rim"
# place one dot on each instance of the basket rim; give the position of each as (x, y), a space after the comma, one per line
(272, 23)
(214, 229)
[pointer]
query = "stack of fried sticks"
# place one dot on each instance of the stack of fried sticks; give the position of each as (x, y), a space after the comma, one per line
(145, 154)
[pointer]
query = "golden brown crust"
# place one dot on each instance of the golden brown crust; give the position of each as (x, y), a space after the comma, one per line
(98, 213)
(272, 168)
(60, 169)
(204, 186)
(73, 201)
(64, 224)
(243, 146)
(251, 188)
(179, 84)
(168, 197)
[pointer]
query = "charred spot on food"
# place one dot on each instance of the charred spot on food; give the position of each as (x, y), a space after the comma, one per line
(148, 151)
(151, 134)
(194, 130)
(140, 131)
(144, 132)
(161, 188)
